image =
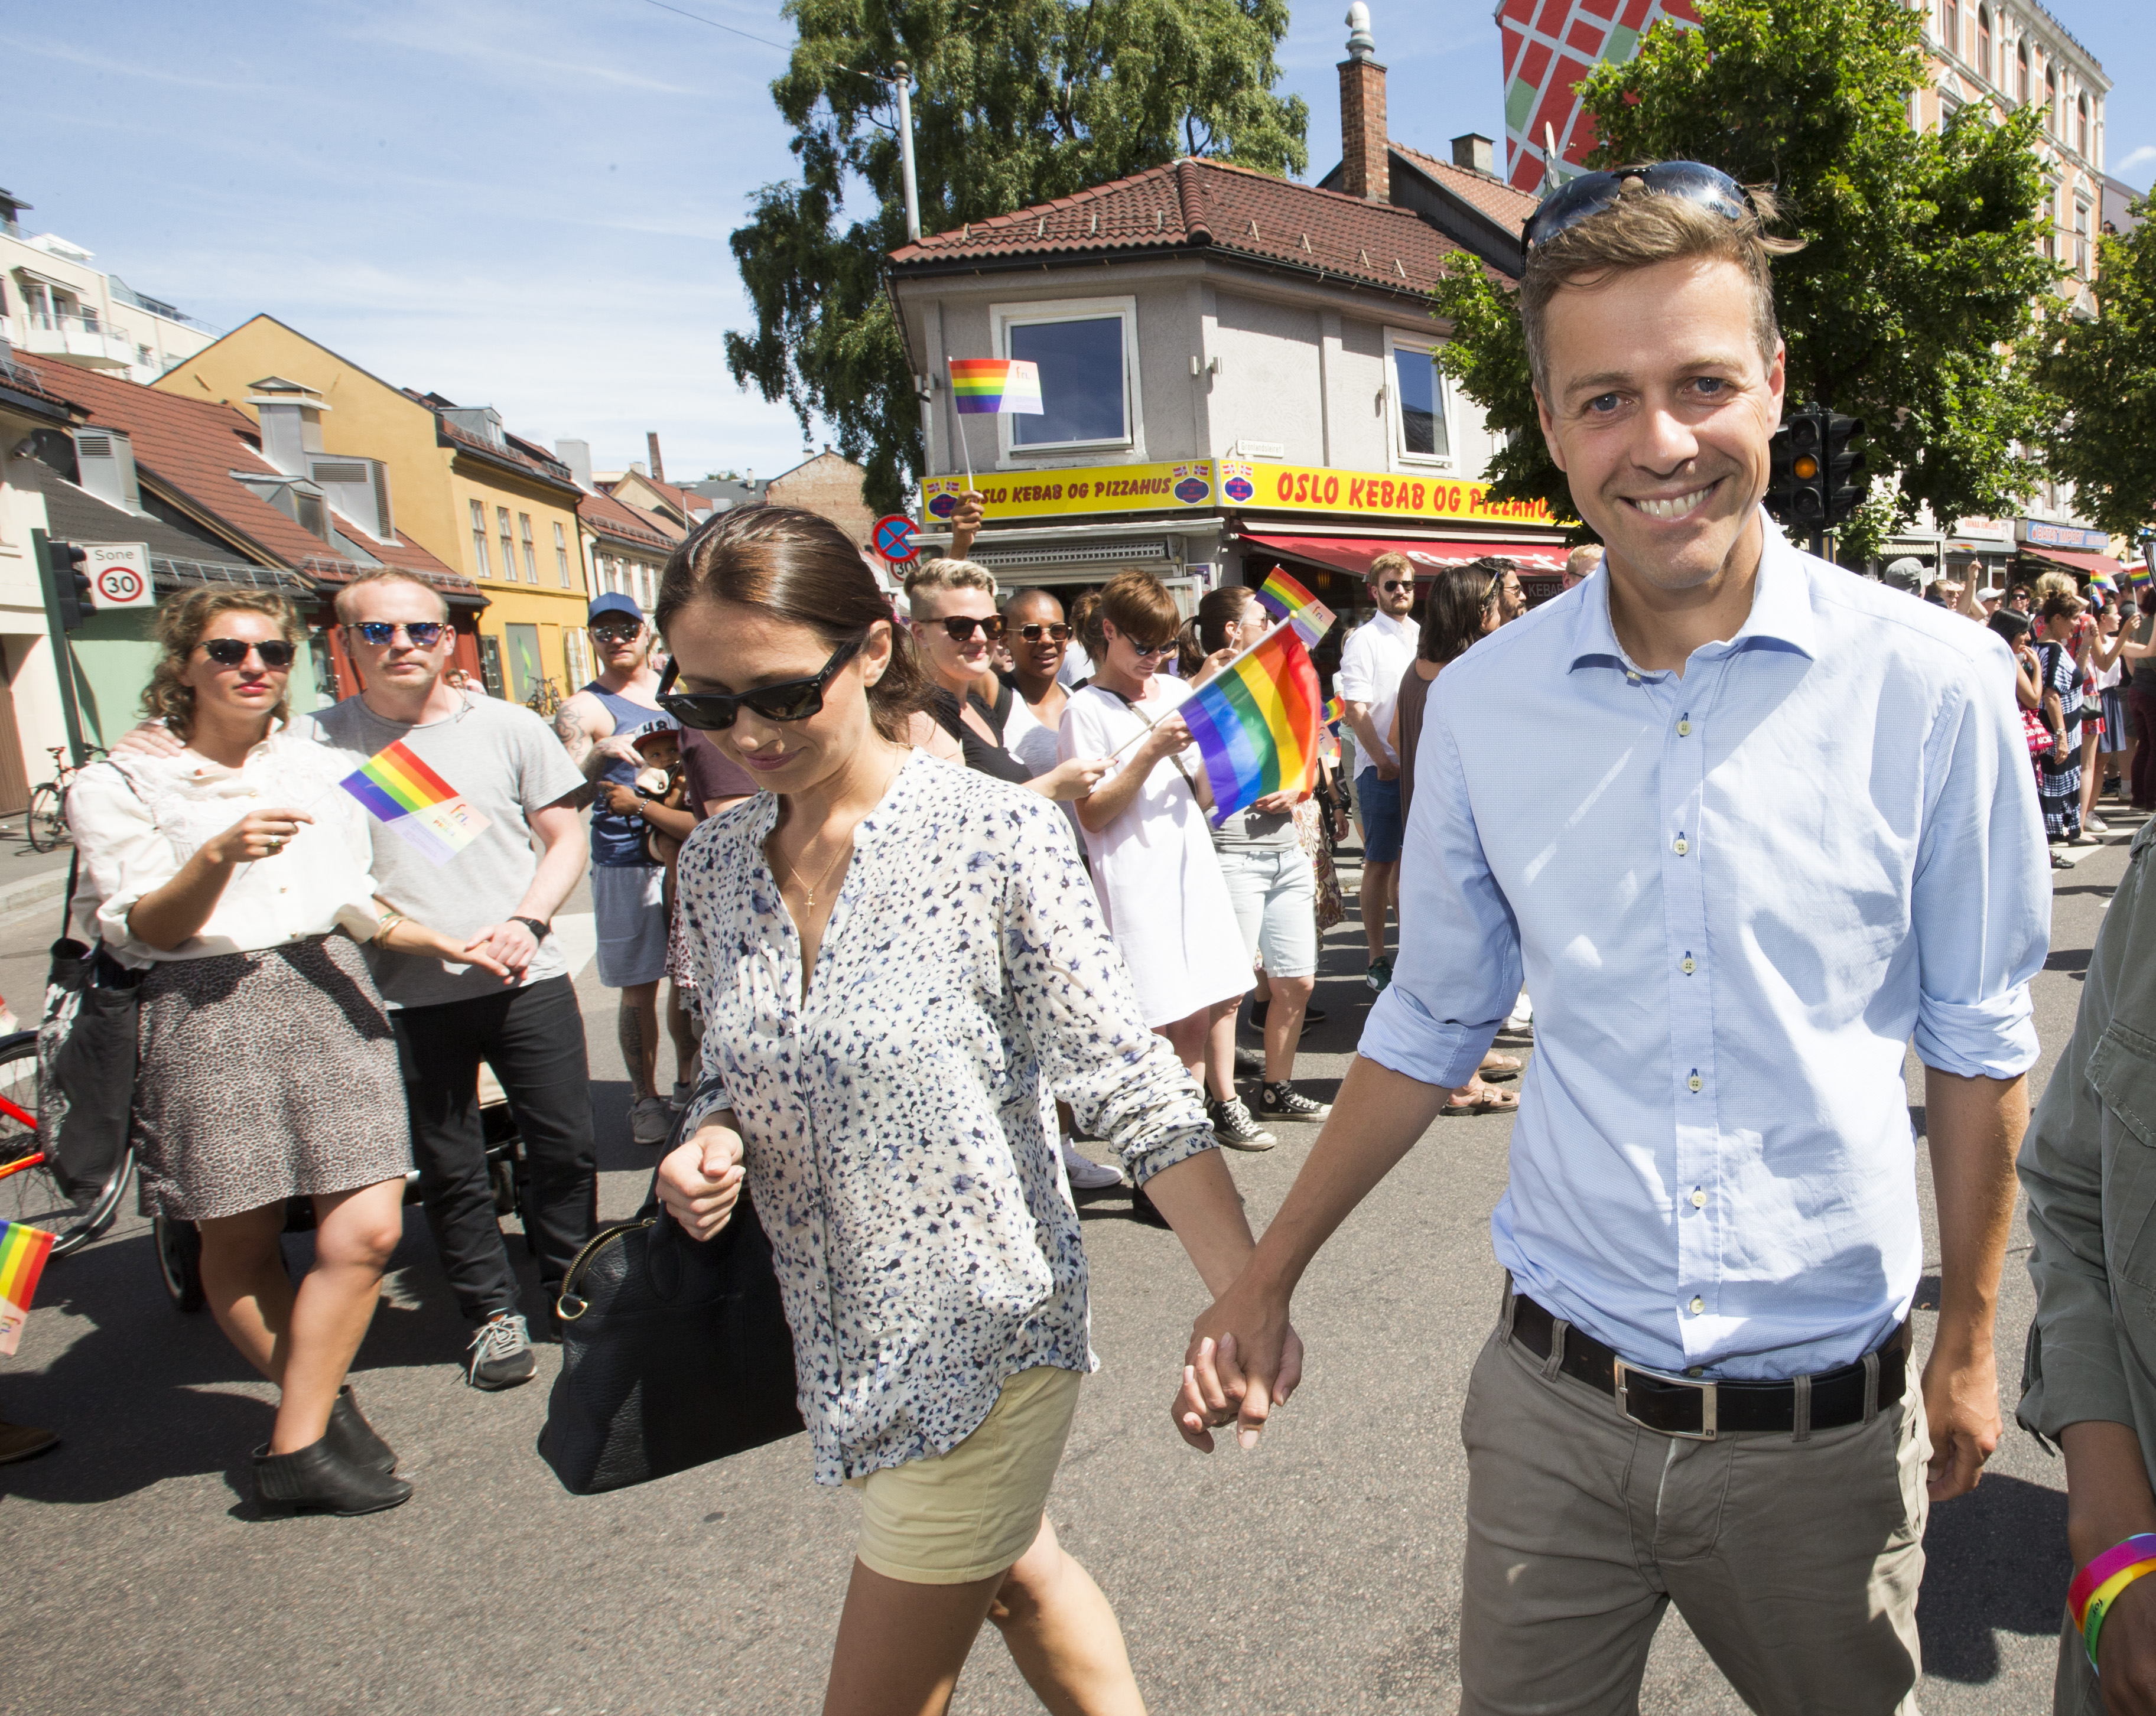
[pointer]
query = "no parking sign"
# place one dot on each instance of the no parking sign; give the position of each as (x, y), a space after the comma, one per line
(119, 575)
(893, 538)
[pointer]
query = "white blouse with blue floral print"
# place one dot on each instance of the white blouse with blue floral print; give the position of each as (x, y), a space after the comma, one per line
(899, 1122)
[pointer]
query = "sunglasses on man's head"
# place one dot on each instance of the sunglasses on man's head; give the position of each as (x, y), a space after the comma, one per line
(1033, 634)
(960, 627)
(422, 634)
(787, 700)
(231, 652)
(1583, 197)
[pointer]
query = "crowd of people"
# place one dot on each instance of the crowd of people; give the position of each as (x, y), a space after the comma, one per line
(931, 901)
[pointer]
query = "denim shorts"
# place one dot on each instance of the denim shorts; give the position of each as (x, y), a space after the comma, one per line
(1379, 802)
(1275, 895)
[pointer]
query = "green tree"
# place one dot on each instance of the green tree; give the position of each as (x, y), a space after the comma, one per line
(2103, 374)
(1019, 102)
(1915, 288)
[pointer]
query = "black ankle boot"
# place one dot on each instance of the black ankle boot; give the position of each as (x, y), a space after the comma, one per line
(319, 1480)
(351, 1436)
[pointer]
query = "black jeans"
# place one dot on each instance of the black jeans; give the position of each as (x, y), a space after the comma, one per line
(533, 1038)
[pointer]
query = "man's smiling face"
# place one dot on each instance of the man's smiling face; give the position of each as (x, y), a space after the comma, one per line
(1659, 409)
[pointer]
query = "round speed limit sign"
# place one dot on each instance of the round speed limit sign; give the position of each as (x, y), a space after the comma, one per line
(119, 587)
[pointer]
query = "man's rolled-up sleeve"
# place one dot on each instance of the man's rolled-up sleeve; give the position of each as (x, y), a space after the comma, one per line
(1458, 973)
(1982, 902)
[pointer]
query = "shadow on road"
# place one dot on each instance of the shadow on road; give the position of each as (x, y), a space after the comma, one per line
(1994, 1561)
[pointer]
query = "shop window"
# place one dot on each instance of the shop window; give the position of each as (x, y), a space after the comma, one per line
(1417, 402)
(1086, 352)
(479, 541)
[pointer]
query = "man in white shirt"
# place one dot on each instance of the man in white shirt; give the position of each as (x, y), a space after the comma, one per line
(1371, 661)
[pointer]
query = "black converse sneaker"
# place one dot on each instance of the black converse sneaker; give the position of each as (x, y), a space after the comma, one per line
(1233, 1126)
(1284, 1102)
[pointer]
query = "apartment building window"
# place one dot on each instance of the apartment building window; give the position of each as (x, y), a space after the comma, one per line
(2051, 99)
(531, 560)
(2052, 224)
(508, 544)
(479, 541)
(1416, 402)
(561, 557)
(1984, 42)
(1950, 29)
(1086, 350)
(2081, 239)
(2021, 74)
(2081, 126)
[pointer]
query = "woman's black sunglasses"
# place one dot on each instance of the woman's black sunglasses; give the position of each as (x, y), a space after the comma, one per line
(231, 652)
(789, 700)
(960, 627)
(1590, 193)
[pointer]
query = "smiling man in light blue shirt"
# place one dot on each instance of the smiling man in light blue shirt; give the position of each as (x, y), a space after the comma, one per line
(1770, 824)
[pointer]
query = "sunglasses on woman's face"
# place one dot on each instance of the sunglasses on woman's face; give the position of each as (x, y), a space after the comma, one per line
(958, 628)
(1138, 648)
(1033, 634)
(422, 634)
(788, 700)
(231, 652)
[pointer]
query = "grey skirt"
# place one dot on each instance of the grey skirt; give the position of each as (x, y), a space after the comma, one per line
(265, 1076)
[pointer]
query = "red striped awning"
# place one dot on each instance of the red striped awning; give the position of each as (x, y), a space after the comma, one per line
(1429, 556)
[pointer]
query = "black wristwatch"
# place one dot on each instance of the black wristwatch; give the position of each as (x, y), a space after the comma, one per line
(540, 930)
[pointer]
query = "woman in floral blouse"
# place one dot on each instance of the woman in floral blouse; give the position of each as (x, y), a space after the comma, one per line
(902, 963)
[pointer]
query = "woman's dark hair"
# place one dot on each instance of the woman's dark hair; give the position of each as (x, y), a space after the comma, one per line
(1190, 653)
(1137, 603)
(802, 569)
(1221, 609)
(2062, 607)
(2009, 625)
(180, 624)
(1455, 608)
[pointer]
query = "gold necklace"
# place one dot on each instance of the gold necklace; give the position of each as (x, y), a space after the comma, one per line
(809, 906)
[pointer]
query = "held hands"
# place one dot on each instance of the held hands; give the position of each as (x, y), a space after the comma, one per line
(1075, 779)
(700, 1180)
(508, 949)
(1244, 1359)
(258, 834)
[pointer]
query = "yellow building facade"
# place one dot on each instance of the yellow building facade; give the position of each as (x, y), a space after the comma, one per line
(500, 510)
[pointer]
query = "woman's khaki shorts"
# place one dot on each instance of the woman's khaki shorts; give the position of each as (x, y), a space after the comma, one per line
(954, 1518)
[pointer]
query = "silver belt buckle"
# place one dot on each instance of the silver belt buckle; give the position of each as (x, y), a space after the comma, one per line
(1706, 1391)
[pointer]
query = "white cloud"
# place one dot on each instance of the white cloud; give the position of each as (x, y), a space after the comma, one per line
(2140, 158)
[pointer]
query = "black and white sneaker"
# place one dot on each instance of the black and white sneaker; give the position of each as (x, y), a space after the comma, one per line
(500, 1355)
(1284, 1102)
(1233, 1126)
(1249, 1063)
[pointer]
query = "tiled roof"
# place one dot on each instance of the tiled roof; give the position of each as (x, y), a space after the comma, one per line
(603, 515)
(549, 471)
(1192, 202)
(1508, 207)
(190, 447)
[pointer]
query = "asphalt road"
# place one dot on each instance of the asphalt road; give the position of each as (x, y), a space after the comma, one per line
(1319, 1574)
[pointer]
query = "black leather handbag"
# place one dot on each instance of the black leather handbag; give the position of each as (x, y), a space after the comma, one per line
(87, 1046)
(675, 1352)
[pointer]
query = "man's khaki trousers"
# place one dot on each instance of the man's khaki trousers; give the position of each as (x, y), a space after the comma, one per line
(1794, 1563)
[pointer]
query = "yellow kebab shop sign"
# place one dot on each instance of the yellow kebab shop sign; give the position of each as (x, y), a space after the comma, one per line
(1213, 484)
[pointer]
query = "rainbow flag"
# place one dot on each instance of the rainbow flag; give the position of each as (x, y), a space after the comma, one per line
(1285, 599)
(1256, 723)
(2136, 574)
(408, 796)
(991, 385)
(22, 1253)
(1335, 712)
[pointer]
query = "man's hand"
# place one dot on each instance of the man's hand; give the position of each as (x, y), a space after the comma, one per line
(511, 946)
(1961, 1404)
(700, 1180)
(151, 739)
(621, 799)
(1244, 1359)
(1275, 804)
(2126, 1651)
(1386, 772)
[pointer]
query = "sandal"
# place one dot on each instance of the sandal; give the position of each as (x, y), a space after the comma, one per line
(1486, 1100)
(1495, 1066)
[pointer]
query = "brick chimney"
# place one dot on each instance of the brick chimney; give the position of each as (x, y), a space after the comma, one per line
(658, 469)
(1365, 151)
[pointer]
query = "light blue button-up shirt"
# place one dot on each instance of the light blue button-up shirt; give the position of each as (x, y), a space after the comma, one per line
(1735, 896)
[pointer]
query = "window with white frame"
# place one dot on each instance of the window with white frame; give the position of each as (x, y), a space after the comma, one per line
(508, 544)
(2081, 239)
(561, 556)
(1417, 403)
(1086, 352)
(531, 560)
(479, 541)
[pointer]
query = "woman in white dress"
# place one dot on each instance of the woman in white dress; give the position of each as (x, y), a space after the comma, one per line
(1152, 859)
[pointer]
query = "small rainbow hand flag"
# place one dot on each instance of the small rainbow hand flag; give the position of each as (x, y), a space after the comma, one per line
(411, 798)
(1335, 712)
(2136, 574)
(993, 385)
(23, 1250)
(1256, 723)
(1286, 600)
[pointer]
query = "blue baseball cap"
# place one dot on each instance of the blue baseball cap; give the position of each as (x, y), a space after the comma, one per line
(613, 602)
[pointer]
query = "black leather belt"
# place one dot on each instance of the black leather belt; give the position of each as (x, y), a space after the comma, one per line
(1700, 1407)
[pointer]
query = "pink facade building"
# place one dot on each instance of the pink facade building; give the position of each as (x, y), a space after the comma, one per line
(1549, 46)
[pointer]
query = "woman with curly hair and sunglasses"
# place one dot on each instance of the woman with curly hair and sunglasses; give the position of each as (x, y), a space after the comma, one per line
(233, 875)
(901, 964)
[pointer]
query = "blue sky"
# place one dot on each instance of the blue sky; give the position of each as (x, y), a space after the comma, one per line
(526, 202)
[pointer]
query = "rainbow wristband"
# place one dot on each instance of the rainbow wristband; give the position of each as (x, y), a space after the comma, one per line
(2097, 1586)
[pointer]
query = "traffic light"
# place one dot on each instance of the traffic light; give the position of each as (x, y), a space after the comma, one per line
(71, 583)
(1845, 485)
(1807, 467)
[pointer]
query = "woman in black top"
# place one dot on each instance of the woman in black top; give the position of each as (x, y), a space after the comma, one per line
(952, 603)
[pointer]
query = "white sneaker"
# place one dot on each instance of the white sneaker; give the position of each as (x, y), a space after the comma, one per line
(651, 1120)
(1085, 1174)
(2096, 825)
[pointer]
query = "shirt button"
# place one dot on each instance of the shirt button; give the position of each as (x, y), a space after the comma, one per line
(1682, 846)
(1698, 1198)
(1684, 730)
(1697, 1305)
(1689, 967)
(1695, 1084)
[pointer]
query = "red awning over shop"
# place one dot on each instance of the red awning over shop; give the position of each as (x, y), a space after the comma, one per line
(2090, 564)
(1353, 555)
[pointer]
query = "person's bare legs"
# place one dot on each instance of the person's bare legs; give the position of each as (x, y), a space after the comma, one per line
(1188, 1038)
(1063, 1636)
(1220, 1055)
(900, 1646)
(2092, 773)
(1374, 897)
(636, 1027)
(682, 1028)
(1284, 1026)
(303, 1341)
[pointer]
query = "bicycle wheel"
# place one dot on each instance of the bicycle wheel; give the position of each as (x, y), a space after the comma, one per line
(44, 825)
(30, 1192)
